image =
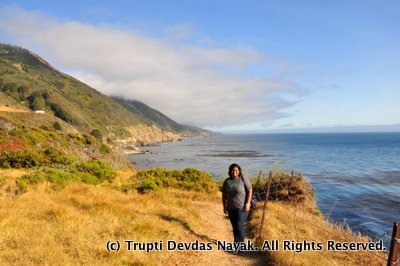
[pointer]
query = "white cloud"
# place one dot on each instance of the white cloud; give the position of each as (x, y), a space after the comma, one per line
(209, 87)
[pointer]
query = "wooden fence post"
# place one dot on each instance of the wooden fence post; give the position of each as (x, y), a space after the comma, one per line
(394, 246)
(257, 184)
(265, 206)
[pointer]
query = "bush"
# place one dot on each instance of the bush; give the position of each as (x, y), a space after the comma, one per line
(20, 159)
(94, 173)
(60, 113)
(97, 134)
(22, 186)
(288, 187)
(188, 179)
(89, 179)
(58, 178)
(34, 178)
(29, 159)
(54, 156)
(89, 140)
(128, 187)
(57, 126)
(97, 168)
(149, 185)
(84, 139)
(104, 149)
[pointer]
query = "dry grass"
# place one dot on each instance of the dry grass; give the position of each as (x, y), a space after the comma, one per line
(7, 179)
(12, 173)
(72, 226)
(4, 108)
(285, 221)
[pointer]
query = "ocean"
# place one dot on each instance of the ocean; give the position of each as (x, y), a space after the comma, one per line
(356, 176)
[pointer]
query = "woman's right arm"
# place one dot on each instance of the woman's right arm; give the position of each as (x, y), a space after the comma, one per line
(224, 198)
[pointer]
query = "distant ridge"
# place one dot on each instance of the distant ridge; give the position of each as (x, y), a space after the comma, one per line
(151, 114)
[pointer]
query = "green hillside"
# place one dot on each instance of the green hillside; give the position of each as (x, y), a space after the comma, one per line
(151, 114)
(61, 130)
(30, 83)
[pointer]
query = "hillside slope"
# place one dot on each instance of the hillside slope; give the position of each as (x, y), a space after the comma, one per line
(29, 83)
(151, 114)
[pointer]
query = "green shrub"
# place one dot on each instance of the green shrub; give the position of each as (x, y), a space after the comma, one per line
(188, 179)
(287, 187)
(20, 159)
(128, 187)
(57, 126)
(149, 185)
(97, 134)
(89, 179)
(29, 159)
(78, 139)
(97, 168)
(54, 156)
(60, 177)
(89, 140)
(57, 177)
(22, 186)
(60, 113)
(35, 177)
(93, 173)
(104, 149)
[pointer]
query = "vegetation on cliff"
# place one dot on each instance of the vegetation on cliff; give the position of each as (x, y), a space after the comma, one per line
(29, 83)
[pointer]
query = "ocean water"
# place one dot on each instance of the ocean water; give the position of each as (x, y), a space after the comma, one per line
(356, 176)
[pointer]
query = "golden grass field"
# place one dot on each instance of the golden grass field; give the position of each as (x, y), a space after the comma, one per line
(71, 226)
(296, 223)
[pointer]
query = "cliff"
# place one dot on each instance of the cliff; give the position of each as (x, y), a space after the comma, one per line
(31, 84)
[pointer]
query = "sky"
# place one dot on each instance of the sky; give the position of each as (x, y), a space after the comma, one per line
(229, 66)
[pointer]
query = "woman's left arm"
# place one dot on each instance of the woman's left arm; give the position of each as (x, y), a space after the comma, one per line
(249, 193)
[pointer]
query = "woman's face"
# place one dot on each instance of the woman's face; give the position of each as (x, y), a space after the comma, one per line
(235, 172)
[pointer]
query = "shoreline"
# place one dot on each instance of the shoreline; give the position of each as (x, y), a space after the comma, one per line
(342, 194)
(127, 148)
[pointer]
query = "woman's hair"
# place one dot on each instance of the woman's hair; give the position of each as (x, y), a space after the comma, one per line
(233, 166)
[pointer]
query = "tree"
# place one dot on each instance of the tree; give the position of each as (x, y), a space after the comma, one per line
(60, 113)
(57, 126)
(97, 134)
(36, 102)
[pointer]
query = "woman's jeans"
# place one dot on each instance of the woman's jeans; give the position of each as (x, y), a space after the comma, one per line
(238, 217)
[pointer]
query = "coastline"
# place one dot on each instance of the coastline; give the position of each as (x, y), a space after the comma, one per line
(131, 146)
(86, 207)
(347, 171)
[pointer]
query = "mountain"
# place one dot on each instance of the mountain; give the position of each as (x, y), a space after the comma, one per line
(154, 116)
(158, 118)
(30, 85)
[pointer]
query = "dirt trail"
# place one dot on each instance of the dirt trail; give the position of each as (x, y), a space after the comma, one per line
(13, 110)
(219, 228)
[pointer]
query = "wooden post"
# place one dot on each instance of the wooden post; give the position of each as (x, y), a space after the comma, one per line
(265, 206)
(394, 246)
(257, 184)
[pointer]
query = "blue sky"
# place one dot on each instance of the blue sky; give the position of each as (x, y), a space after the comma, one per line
(228, 65)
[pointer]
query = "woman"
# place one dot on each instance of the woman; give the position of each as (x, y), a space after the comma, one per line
(236, 198)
